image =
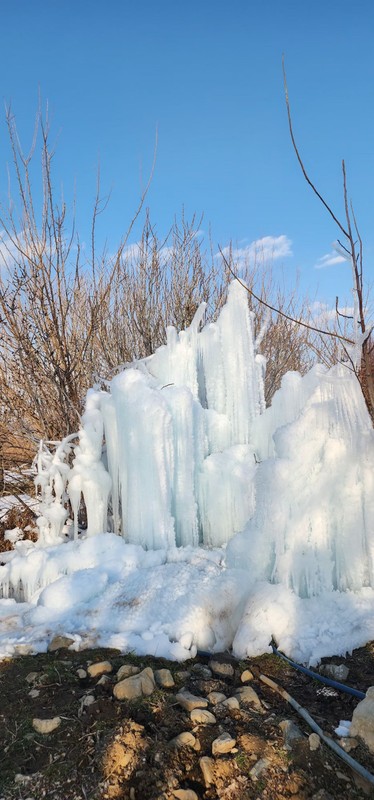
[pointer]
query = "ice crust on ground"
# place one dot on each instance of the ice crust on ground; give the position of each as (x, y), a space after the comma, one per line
(237, 523)
(170, 603)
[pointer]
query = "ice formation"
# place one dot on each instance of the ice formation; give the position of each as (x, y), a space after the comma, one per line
(313, 527)
(179, 463)
(178, 452)
(193, 457)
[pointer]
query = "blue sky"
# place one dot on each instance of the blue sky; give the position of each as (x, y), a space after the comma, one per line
(208, 76)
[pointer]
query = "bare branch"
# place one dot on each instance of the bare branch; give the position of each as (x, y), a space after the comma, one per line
(306, 176)
(281, 313)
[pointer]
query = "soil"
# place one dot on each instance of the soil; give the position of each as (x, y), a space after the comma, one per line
(122, 750)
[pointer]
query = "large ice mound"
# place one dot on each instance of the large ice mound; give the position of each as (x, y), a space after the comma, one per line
(229, 522)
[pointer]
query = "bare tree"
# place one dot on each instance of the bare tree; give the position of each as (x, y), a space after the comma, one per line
(359, 347)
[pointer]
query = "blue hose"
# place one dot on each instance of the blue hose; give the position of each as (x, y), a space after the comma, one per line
(328, 681)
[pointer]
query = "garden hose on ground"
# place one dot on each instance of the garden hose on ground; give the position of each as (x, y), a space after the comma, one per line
(315, 675)
(364, 773)
(351, 762)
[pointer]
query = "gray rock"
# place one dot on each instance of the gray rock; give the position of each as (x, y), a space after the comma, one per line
(164, 678)
(34, 693)
(103, 681)
(216, 697)
(222, 668)
(201, 716)
(59, 643)
(246, 694)
(135, 686)
(184, 739)
(338, 672)
(46, 725)
(82, 674)
(31, 677)
(206, 766)
(182, 674)
(86, 701)
(348, 743)
(262, 765)
(190, 701)
(223, 744)
(231, 703)
(202, 671)
(126, 671)
(291, 733)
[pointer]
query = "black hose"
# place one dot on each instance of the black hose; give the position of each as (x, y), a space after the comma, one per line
(328, 681)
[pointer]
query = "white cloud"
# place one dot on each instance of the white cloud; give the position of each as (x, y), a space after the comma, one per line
(322, 313)
(269, 248)
(8, 249)
(329, 260)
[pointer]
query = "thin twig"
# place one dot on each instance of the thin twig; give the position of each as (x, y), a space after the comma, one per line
(282, 313)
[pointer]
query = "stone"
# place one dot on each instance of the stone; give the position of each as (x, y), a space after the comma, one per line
(126, 670)
(46, 725)
(86, 701)
(139, 685)
(103, 681)
(190, 701)
(216, 697)
(31, 677)
(185, 794)
(100, 668)
(247, 675)
(202, 717)
(164, 678)
(202, 671)
(363, 720)
(348, 743)
(59, 643)
(206, 766)
(314, 741)
(222, 668)
(291, 733)
(34, 693)
(262, 765)
(232, 703)
(338, 672)
(182, 674)
(19, 778)
(184, 739)
(223, 744)
(248, 695)
(342, 777)
(82, 674)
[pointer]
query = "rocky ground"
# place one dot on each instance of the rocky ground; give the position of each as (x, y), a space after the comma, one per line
(98, 725)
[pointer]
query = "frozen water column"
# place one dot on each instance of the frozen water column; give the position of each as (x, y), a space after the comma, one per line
(88, 475)
(232, 380)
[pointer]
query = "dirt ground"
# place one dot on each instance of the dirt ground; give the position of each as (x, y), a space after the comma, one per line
(123, 750)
